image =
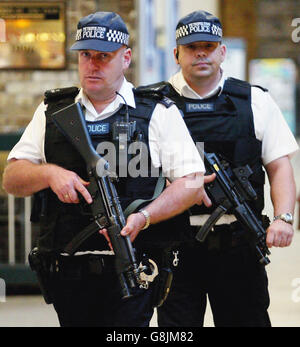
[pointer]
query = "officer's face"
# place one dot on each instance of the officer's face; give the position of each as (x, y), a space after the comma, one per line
(200, 60)
(102, 73)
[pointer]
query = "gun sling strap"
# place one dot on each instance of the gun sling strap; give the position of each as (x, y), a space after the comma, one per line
(74, 244)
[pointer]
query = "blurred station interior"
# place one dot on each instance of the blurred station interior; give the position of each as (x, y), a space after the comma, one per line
(263, 42)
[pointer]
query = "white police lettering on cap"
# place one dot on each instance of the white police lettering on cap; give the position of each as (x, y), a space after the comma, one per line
(93, 33)
(200, 27)
(102, 33)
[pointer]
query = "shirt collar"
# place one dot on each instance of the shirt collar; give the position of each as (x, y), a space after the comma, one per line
(116, 104)
(180, 85)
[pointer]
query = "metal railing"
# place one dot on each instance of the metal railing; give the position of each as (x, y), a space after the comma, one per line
(25, 225)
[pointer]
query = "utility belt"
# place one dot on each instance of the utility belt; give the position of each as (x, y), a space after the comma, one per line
(227, 233)
(50, 267)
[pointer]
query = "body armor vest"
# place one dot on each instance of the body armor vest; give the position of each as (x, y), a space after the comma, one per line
(60, 222)
(224, 123)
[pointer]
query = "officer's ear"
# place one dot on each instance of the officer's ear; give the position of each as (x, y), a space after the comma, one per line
(176, 55)
(126, 57)
(223, 52)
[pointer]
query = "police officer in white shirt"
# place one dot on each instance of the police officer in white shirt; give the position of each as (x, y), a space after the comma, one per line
(243, 125)
(84, 288)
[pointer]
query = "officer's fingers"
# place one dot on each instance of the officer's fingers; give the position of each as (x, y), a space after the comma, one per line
(206, 200)
(270, 237)
(134, 224)
(73, 197)
(209, 178)
(275, 238)
(127, 230)
(290, 235)
(64, 197)
(279, 234)
(83, 191)
(286, 236)
(278, 238)
(105, 234)
(289, 240)
(85, 183)
(130, 231)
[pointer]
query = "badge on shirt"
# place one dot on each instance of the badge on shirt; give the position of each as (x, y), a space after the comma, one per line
(196, 107)
(98, 128)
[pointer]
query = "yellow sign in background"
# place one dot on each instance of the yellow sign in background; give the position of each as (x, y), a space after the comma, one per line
(34, 35)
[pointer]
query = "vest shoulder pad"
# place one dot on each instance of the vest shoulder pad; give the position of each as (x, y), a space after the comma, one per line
(260, 87)
(157, 89)
(158, 92)
(54, 95)
(237, 87)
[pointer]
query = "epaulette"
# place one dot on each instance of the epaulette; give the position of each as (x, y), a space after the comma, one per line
(236, 87)
(57, 94)
(156, 91)
(260, 87)
(239, 88)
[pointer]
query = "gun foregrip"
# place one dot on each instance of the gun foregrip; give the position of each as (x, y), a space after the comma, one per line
(124, 260)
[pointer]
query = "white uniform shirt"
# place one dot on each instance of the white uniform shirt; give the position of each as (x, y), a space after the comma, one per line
(269, 123)
(171, 146)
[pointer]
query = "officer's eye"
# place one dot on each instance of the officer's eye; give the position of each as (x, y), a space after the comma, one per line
(85, 54)
(104, 55)
(211, 46)
(192, 47)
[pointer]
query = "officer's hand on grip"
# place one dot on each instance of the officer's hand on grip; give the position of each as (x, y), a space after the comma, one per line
(279, 234)
(134, 224)
(66, 185)
(203, 197)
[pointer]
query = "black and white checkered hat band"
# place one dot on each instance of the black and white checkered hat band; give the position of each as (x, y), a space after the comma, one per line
(182, 31)
(103, 34)
(198, 28)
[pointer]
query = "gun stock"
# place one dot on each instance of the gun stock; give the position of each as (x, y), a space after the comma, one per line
(71, 122)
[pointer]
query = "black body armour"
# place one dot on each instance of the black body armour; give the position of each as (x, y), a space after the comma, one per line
(224, 123)
(60, 222)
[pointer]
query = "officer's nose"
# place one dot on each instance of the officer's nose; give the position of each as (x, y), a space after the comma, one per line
(201, 53)
(95, 62)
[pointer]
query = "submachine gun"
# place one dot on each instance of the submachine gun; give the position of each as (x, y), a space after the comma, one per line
(106, 209)
(229, 191)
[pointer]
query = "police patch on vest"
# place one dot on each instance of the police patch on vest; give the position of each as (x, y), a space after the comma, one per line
(98, 128)
(190, 107)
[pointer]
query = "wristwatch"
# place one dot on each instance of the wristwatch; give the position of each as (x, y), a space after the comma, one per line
(147, 217)
(286, 217)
